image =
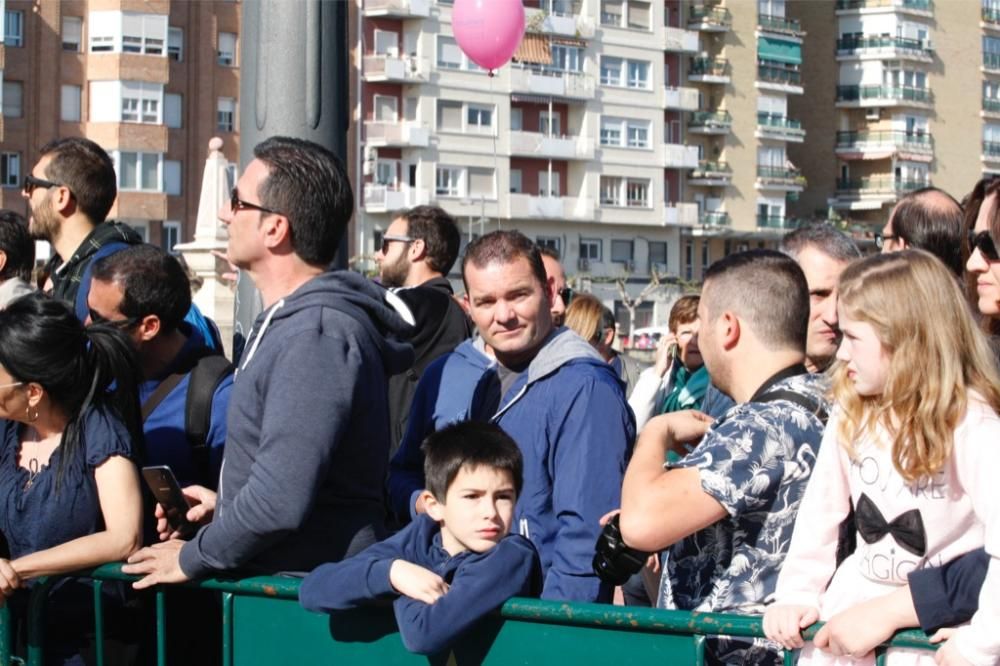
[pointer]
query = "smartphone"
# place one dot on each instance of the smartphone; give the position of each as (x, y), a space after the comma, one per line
(673, 351)
(166, 490)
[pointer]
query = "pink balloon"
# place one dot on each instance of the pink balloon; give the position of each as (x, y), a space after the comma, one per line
(488, 31)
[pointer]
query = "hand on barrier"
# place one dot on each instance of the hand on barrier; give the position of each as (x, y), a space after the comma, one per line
(857, 631)
(948, 654)
(159, 563)
(784, 624)
(416, 582)
(9, 580)
(203, 508)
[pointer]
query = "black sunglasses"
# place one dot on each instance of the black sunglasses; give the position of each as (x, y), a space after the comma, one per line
(236, 204)
(880, 239)
(30, 183)
(983, 241)
(566, 294)
(120, 324)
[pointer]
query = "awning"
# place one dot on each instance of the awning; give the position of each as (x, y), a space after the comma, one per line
(569, 41)
(779, 50)
(534, 48)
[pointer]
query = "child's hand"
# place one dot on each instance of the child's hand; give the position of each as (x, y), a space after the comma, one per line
(860, 629)
(948, 654)
(784, 624)
(416, 582)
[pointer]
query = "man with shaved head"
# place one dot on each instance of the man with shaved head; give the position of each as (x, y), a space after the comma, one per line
(927, 219)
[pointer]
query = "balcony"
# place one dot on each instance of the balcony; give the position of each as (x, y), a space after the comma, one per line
(541, 81)
(779, 24)
(991, 151)
(778, 222)
(711, 174)
(991, 62)
(770, 126)
(708, 70)
(388, 198)
(381, 134)
(561, 18)
(876, 95)
(395, 69)
(710, 122)
(778, 76)
(779, 178)
(676, 156)
(882, 144)
(884, 46)
(918, 7)
(536, 144)
(678, 39)
(710, 19)
(714, 218)
(526, 206)
(402, 9)
(879, 185)
(684, 99)
(991, 16)
(991, 106)
(680, 213)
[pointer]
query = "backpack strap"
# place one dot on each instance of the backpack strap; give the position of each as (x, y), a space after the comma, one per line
(161, 392)
(805, 402)
(207, 374)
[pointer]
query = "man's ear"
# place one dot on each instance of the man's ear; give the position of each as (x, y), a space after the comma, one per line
(434, 508)
(418, 250)
(730, 329)
(149, 327)
(277, 229)
(3, 260)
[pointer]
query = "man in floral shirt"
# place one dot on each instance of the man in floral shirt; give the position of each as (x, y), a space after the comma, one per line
(725, 511)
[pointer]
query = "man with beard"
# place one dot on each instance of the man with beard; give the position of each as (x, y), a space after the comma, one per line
(70, 191)
(418, 249)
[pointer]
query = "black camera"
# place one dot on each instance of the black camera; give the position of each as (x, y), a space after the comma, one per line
(615, 562)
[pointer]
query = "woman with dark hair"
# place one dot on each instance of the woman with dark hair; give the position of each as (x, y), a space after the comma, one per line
(70, 431)
(982, 219)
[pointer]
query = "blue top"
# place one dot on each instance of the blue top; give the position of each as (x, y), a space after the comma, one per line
(949, 595)
(479, 583)
(38, 517)
(166, 439)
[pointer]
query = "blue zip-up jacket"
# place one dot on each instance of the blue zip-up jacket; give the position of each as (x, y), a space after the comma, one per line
(307, 435)
(479, 583)
(459, 386)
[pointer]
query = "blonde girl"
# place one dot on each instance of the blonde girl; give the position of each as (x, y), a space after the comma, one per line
(913, 445)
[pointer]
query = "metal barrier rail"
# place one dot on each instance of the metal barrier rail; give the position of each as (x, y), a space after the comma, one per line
(262, 623)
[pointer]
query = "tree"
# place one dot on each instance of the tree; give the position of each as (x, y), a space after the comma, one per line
(632, 303)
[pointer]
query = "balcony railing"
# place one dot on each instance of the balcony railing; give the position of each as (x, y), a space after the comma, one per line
(779, 24)
(991, 105)
(991, 14)
(919, 5)
(991, 148)
(711, 119)
(709, 169)
(397, 8)
(779, 122)
(879, 184)
(779, 74)
(775, 174)
(711, 16)
(714, 218)
(991, 61)
(702, 66)
(854, 44)
(874, 138)
(902, 93)
(777, 222)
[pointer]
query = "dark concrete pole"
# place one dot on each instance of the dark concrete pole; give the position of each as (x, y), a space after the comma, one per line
(293, 82)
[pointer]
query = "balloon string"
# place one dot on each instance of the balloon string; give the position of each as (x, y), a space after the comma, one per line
(496, 162)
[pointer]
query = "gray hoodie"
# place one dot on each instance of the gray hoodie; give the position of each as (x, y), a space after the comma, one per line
(307, 432)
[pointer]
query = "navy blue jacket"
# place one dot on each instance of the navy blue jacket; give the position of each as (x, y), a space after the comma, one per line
(479, 583)
(949, 595)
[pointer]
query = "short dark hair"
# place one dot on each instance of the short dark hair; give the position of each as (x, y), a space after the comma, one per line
(503, 247)
(87, 170)
(439, 232)
(684, 311)
(832, 242)
(931, 219)
(472, 444)
(152, 281)
(307, 184)
(16, 243)
(765, 287)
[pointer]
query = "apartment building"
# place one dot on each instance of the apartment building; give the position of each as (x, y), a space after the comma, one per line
(151, 81)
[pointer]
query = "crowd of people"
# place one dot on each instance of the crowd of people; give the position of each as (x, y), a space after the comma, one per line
(812, 443)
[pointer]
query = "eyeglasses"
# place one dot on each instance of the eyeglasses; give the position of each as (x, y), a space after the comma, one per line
(30, 183)
(3, 386)
(983, 242)
(566, 294)
(880, 240)
(236, 204)
(394, 239)
(120, 324)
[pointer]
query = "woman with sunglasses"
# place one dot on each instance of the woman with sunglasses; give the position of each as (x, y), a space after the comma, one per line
(70, 431)
(982, 215)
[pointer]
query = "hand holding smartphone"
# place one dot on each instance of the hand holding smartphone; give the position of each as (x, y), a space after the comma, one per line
(167, 492)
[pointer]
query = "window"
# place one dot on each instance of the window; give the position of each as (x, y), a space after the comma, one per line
(624, 132)
(172, 114)
(611, 131)
(449, 116)
(635, 73)
(480, 181)
(141, 102)
(632, 14)
(638, 15)
(175, 44)
(621, 251)
(385, 172)
(516, 119)
(657, 255)
(226, 114)
(171, 235)
(127, 32)
(10, 169)
(548, 187)
(72, 33)
(447, 182)
(172, 177)
(611, 190)
(590, 248)
(13, 28)
(227, 49)
(139, 171)
(638, 74)
(549, 125)
(449, 55)
(479, 119)
(458, 117)
(637, 193)
(638, 134)
(70, 103)
(612, 12)
(515, 181)
(13, 93)
(611, 71)
(688, 260)
(387, 43)
(706, 258)
(550, 242)
(566, 58)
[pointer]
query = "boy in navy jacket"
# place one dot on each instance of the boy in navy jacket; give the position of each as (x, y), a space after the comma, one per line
(456, 563)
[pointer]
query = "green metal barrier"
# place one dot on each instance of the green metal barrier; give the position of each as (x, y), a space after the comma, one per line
(263, 624)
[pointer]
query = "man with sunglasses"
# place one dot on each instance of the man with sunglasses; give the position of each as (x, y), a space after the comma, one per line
(557, 276)
(926, 219)
(70, 191)
(17, 257)
(418, 250)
